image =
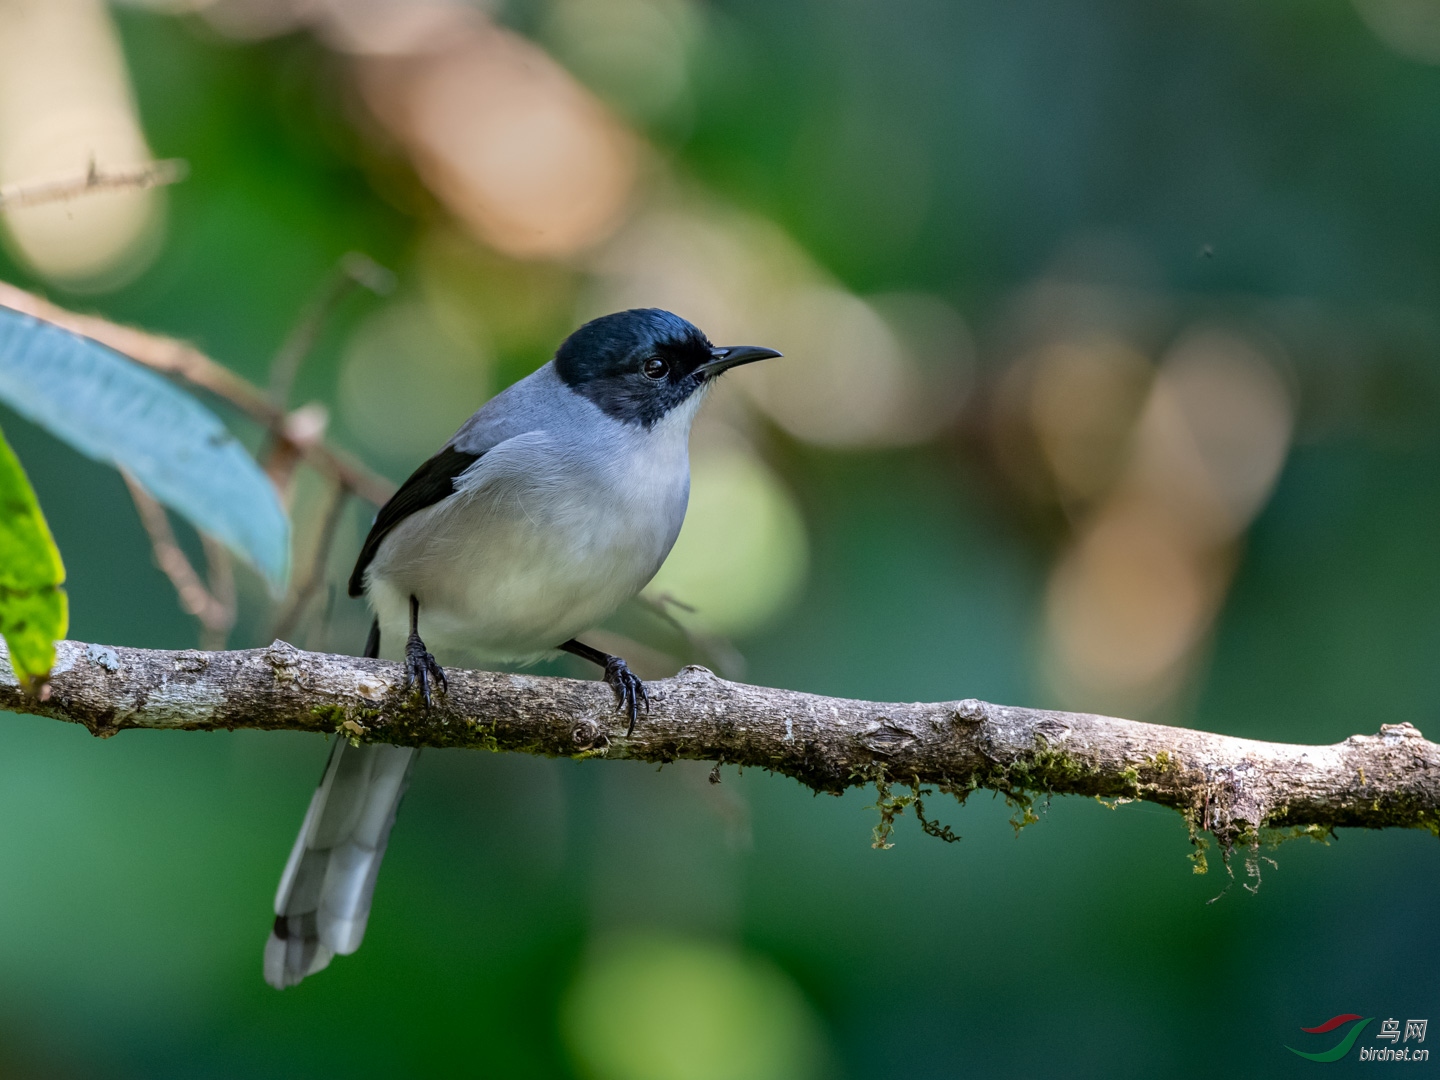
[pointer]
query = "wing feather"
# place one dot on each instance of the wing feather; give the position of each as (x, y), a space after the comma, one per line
(431, 482)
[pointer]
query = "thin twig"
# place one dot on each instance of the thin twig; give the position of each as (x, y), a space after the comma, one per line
(220, 574)
(303, 428)
(214, 607)
(285, 448)
(315, 572)
(94, 179)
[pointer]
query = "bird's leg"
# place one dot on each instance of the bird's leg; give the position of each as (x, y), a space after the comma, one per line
(420, 666)
(629, 690)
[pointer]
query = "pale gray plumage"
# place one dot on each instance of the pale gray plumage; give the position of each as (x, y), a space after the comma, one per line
(324, 897)
(567, 515)
(549, 508)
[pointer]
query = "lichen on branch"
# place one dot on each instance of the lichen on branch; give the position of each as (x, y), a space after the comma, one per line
(1240, 790)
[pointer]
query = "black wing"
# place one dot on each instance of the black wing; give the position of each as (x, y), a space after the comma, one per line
(431, 482)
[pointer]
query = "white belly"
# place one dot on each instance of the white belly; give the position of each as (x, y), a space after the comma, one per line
(535, 549)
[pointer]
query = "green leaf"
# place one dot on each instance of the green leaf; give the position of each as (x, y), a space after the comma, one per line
(33, 609)
(113, 410)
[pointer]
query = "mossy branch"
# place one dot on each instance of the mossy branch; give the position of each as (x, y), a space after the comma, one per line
(1236, 789)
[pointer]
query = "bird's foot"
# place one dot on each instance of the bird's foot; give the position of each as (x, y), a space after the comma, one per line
(421, 669)
(629, 690)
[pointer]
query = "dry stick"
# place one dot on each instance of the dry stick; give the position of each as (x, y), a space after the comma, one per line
(93, 180)
(315, 572)
(354, 270)
(213, 606)
(1236, 786)
(220, 573)
(285, 447)
(186, 362)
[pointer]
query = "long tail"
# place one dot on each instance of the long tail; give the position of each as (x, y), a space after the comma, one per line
(324, 897)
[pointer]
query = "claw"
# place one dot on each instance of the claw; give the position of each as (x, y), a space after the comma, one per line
(421, 669)
(630, 691)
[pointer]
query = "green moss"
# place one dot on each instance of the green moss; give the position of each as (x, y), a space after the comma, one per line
(409, 725)
(1320, 834)
(1162, 777)
(482, 737)
(1404, 811)
(891, 806)
(1200, 865)
(328, 716)
(1045, 770)
(930, 826)
(1024, 810)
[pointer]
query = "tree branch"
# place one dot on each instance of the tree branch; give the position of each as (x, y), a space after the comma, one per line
(94, 179)
(1232, 787)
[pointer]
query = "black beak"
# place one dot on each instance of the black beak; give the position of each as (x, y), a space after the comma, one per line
(734, 356)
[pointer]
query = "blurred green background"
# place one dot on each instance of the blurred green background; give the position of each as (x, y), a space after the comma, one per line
(1113, 383)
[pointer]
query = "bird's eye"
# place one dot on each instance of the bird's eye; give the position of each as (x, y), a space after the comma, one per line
(655, 368)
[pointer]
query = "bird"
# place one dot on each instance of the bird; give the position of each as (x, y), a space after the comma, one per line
(550, 507)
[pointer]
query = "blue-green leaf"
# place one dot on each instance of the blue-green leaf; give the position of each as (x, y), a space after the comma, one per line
(113, 410)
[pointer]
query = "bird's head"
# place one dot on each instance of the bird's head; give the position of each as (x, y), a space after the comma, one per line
(638, 365)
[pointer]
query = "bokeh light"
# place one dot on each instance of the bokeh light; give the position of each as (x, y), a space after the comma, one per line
(1083, 400)
(742, 553)
(634, 53)
(66, 109)
(1214, 433)
(1125, 608)
(850, 378)
(1410, 27)
(507, 139)
(665, 1008)
(407, 384)
(1134, 597)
